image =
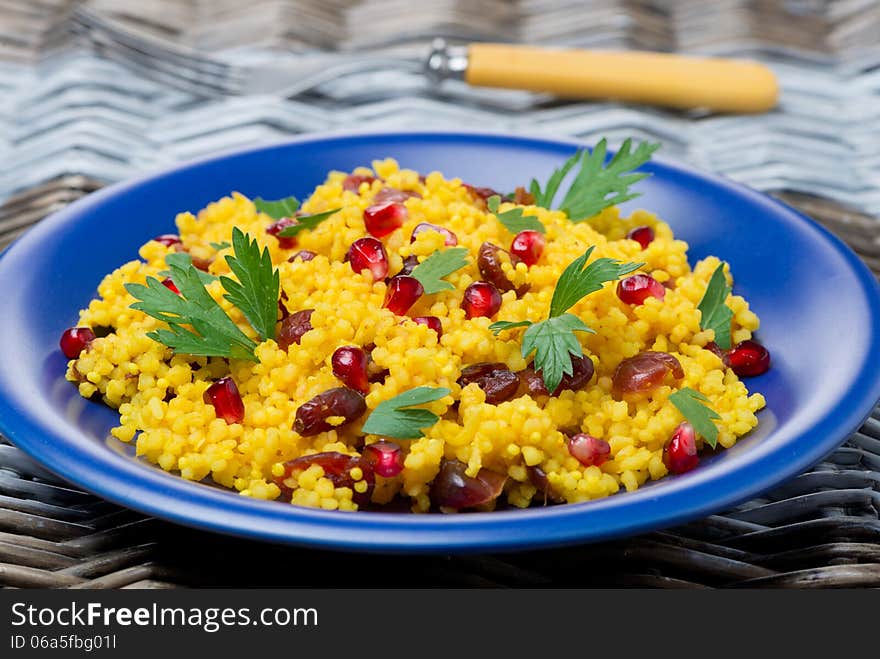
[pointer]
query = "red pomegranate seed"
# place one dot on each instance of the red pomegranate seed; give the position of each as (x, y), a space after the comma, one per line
(382, 219)
(169, 284)
(638, 288)
(352, 182)
(644, 236)
(224, 396)
(481, 299)
(449, 238)
(168, 239)
(277, 227)
(350, 365)
(303, 255)
(403, 292)
(528, 246)
(431, 321)
(75, 340)
(368, 254)
(588, 450)
(748, 358)
(680, 454)
(385, 457)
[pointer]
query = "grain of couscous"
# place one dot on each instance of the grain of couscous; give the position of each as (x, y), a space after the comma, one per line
(287, 423)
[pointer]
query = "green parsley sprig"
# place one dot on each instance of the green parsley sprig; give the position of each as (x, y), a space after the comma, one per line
(399, 418)
(595, 187)
(513, 219)
(287, 207)
(553, 340)
(692, 405)
(197, 324)
(714, 313)
(441, 263)
(306, 223)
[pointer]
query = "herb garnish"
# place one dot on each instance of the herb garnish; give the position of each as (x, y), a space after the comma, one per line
(441, 263)
(553, 340)
(513, 219)
(221, 245)
(279, 208)
(396, 417)
(692, 405)
(184, 260)
(304, 222)
(257, 289)
(714, 313)
(595, 187)
(198, 325)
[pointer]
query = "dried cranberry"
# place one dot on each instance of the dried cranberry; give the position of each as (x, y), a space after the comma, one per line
(382, 219)
(680, 454)
(538, 478)
(349, 364)
(337, 469)
(449, 238)
(409, 264)
(277, 227)
(645, 372)
(453, 488)
(368, 254)
(480, 195)
(386, 458)
(638, 288)
(75, 340)
(223, 395)
(311, 417)
(353, 182)
(523, 197)
(168, 239)
(403, 292)
(528, 246)
(489, 263)
(481, 299)
(644, 236)
(716, 350)
(393, 194)
(293, 328)
(748, 358)
(588, 450)
(495, 379)
(303, 255)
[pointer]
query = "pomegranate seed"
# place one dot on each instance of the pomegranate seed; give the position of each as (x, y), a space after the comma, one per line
(75, 340)
(588, 450)
(368, 254)
(403, 291)
(385, 457)
(449, 238)
(431, 321)
(382, 219)
(224, 396)
(481, 299)
(644, 236)
(303, 255)
(276, 227)
(748, 358)
(638, 288)
(528, 246)
(169, 284)
(168, 239)
(352, 182)
(350, 365)
(680, 454)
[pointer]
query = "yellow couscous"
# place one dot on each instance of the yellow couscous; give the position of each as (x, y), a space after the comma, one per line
(520, 444)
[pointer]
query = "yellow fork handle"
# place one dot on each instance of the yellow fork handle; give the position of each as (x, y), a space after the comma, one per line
(722, 85)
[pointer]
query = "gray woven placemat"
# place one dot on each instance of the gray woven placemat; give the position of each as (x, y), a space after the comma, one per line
(96, 91)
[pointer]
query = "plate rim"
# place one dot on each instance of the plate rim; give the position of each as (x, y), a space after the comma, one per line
(309, 527)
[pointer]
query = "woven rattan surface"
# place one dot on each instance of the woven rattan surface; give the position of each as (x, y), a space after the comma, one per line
(99, 90)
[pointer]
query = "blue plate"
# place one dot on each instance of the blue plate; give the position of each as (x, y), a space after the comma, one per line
(819, 307)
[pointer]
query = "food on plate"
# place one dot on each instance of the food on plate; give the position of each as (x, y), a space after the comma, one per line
(410, 339)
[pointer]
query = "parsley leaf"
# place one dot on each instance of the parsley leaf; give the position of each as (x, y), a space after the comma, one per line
(692, 405)
(212, 333)
(714, 313)
(279, 208)
(513, 219)
(184, 260)
(392, 418)
(221, 245)
(553, 340)
(595, 187)
(257, 289)
(304, 222)
(441, 263)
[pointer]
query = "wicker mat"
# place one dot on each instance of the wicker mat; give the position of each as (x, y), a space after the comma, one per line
(821, 529)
